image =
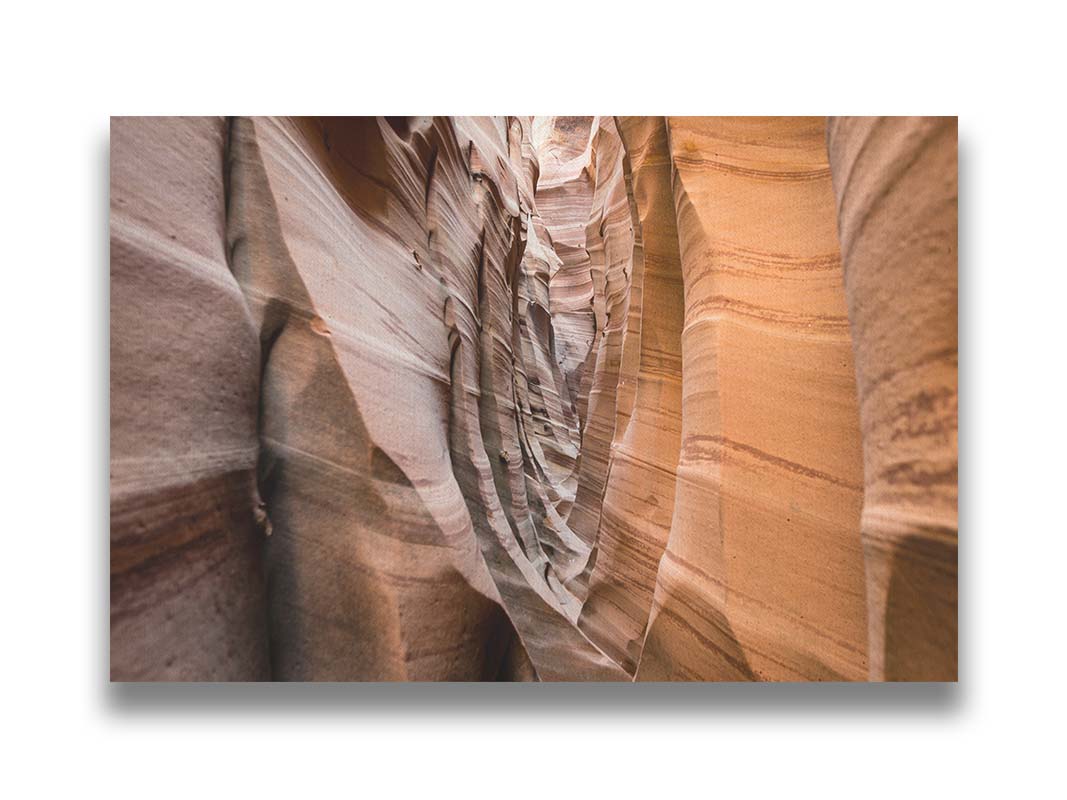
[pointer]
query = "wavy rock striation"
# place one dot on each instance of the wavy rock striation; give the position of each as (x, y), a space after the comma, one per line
(640, 495)
(561, 398)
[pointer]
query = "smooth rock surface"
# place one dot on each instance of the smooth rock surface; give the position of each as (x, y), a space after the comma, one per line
(896, 185)
(187, 584)
(763, 574)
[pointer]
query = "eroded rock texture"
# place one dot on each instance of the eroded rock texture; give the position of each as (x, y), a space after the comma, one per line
(640, 497)
(511, 398)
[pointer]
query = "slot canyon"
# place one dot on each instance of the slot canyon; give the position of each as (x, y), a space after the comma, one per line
(533, 399)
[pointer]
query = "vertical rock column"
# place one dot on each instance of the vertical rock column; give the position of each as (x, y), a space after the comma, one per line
(763, 574)
(896, 186)
(187, 588)
(639, 500)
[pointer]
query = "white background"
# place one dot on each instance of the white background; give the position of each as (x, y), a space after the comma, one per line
(67, 67)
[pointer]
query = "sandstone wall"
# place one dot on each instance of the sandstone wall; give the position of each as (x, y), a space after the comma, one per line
(896, 185)
(641, 483)
(187, 586)
(565, 187)
(401, 402)
(763, 573)
(554, 398)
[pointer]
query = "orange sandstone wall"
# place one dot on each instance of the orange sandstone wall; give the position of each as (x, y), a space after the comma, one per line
(896, 185)
(763, 573)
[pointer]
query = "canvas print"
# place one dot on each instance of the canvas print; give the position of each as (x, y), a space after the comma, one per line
(533, 399)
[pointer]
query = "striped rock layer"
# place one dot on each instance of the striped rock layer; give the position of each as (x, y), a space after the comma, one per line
(554, 398)
(895, 179)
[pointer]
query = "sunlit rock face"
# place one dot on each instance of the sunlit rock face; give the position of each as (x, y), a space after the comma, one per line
(553, 398)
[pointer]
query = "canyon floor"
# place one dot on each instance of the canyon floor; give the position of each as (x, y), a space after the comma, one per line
(534, 398)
